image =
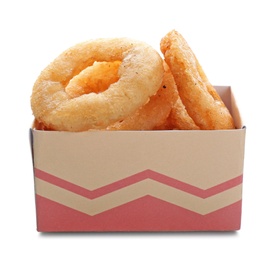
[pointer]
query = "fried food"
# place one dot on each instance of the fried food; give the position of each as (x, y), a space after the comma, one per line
(179, 118)
(200, 99)
(140, 76)
(124, 84)
(155, 112)
(96, 78)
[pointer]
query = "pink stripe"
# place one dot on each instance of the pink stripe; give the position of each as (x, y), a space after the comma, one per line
(147, 174)
(144, 214)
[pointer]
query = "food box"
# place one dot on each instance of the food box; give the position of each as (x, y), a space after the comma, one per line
(140, 180)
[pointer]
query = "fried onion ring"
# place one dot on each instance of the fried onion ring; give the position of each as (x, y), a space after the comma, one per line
(179, 118)
(96, 78)
(155, 112)
(140, 76)
(201, 100)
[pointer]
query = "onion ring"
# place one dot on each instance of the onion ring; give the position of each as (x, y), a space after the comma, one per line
(179, 118)
(201, 100)
(155, 112)
(96, 78)
(140, 76)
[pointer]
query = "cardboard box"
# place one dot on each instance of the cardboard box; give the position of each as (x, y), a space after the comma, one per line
(140, 180)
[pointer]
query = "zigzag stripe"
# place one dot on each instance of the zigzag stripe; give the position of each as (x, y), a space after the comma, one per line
(135, 191)
(147, 174)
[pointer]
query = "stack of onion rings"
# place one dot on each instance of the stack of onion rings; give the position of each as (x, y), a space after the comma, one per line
(124, 84)
(200, 99)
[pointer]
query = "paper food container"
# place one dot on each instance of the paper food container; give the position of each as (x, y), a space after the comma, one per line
(140, 180)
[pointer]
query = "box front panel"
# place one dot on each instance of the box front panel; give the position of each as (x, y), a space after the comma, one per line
(138, 181)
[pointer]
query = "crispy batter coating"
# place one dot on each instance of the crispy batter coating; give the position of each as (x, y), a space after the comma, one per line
(179, 118)
(140, 76)
(200, 99)
(123, 84)
(155, 112)
(96, 78)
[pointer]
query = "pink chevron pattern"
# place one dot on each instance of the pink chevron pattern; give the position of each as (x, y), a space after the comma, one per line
(147, 174)
(145, 213)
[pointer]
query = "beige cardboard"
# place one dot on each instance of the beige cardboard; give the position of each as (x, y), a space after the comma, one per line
(95, 159)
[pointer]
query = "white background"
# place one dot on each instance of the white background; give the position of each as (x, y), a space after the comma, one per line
(232, 40)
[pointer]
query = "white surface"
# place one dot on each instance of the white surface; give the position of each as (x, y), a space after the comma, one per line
(232, 40)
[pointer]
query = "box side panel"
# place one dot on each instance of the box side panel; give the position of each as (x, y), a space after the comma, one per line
(228, 97)
(236, 113)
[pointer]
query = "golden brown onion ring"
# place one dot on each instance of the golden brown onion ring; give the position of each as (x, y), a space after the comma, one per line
(96, 78)
(202, 102)
(179, 118)
(155, 112)
(140, 76)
